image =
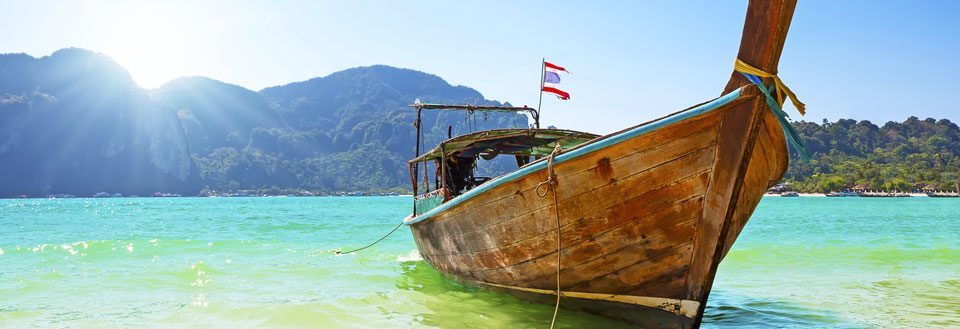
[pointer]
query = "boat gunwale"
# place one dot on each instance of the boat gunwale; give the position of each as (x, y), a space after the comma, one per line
(583, 149)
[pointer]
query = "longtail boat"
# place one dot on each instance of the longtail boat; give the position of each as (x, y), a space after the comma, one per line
(630, 225)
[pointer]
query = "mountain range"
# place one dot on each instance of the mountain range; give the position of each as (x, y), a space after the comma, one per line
(75, 122)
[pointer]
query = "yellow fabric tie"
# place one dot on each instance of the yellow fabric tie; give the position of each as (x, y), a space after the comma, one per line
(782, 89)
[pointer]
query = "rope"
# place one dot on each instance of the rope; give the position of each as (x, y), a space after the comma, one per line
(776, 105)
(788, 130)
(551, 183)
(556, 206)
(781, 88)
(371, 245)
(551, 178)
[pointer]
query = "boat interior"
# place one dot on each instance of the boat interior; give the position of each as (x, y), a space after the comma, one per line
(451, 166)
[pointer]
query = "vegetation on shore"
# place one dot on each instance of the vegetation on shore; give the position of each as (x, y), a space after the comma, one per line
(903, 156)
(847, 154)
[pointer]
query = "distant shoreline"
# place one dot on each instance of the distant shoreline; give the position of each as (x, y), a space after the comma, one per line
(821, 195)
(210, 197)
(768, 195)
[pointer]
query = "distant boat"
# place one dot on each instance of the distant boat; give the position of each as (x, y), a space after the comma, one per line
(877, 194)
(790, 194)
(166, 195)
(631, 225)
(846, 193)
(940, 194)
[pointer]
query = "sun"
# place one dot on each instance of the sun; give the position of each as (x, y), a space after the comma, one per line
(150, 48)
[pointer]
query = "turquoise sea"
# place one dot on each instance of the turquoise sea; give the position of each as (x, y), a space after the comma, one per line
(266, 262)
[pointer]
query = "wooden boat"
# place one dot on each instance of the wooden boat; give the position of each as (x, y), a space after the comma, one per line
(631, 225)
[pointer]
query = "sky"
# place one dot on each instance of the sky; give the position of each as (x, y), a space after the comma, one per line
(631, 61)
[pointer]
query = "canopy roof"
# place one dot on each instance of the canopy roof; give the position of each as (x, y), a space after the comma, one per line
(537, 142)
(481, 108)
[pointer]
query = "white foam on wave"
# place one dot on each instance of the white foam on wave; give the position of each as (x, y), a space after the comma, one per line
(68, 248)
(411, 256)
(40, 248)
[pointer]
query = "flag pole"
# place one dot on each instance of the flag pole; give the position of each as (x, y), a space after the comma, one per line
(543, 64)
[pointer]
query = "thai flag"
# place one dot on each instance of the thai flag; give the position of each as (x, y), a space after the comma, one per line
(551, 78)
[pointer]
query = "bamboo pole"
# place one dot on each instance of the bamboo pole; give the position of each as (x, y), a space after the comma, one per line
(413, 173)
(536, 119)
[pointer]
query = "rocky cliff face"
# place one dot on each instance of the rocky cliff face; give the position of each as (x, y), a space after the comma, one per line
(75, 122)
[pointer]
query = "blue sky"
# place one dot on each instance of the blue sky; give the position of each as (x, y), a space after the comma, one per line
(631, 61)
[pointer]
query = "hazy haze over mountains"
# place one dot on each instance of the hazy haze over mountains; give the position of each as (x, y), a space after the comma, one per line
(75, 122)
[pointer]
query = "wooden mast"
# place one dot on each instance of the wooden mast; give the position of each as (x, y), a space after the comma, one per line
(764, 33)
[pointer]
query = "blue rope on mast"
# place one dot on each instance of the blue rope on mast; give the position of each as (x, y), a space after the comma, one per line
(793, 137)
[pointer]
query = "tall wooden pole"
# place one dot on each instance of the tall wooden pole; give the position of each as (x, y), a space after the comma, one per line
(764, 33)
(416, 153)
(443, 167)
(536, 121)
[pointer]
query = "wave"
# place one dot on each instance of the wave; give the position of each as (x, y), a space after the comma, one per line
(412, 256)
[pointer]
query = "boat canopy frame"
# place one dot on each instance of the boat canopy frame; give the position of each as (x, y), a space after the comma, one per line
(417, 105)
(522, 142)
(528, 134)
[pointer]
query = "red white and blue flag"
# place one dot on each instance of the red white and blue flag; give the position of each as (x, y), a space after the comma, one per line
(551, 78)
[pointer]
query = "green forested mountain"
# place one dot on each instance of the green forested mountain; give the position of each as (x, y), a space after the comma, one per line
(349, 131)
(896, 156)
(75, 122)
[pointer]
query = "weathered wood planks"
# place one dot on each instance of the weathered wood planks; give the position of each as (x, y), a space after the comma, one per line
(648, 218)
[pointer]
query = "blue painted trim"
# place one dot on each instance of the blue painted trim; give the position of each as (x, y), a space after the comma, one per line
(580, 151)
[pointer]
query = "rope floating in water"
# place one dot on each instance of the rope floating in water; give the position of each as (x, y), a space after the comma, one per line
(370, 245)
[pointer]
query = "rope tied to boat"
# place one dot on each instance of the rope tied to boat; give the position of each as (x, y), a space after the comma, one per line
(755, 76)
(338, 252)
(780, 87)
(551, 184)
(551, 177)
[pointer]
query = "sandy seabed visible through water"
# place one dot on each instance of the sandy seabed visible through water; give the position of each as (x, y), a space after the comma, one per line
(266, 262)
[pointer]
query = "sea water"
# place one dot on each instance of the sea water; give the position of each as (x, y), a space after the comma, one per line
(267, 262)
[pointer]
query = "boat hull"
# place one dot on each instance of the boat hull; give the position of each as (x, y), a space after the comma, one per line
(644, 216)
(643, 221)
